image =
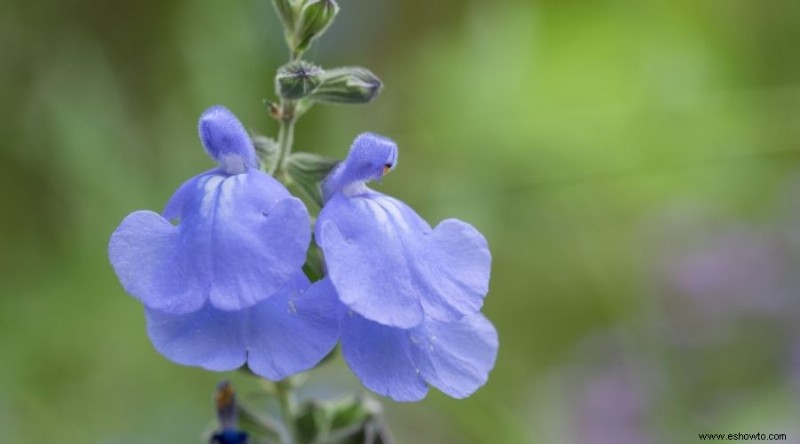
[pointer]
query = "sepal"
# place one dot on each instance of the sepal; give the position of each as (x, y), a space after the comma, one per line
(267, 150)
(348, 85)
(308, 171)
(297, 79)
(314, 20)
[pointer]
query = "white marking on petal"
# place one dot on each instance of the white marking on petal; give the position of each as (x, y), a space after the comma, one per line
(209, 194)
(397, 215)
(354, 189)
(379, 213)
(232, 163)
(225, 201)
(387, 210)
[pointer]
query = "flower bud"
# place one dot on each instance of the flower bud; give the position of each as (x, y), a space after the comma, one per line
(297, 80)
(287, 10)
(315, 18)
(348, 85)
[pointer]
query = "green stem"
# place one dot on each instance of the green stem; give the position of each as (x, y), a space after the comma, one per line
(285, 137)
(286, 130)
(283, 390)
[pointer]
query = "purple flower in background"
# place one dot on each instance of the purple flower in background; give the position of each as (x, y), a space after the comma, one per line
(413, 292)
(717, 280)
(736, 270)
(385, 261)
(611, 409)
(240, 235)
(611, 393)
(224, 286)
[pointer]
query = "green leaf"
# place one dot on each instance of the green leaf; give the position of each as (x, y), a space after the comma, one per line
(350, 411)
(351, 420)
(357, 420)
(347, 85)
(308, 171)
(312, 421)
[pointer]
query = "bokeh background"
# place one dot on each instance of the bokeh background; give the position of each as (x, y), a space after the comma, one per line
(634, 165)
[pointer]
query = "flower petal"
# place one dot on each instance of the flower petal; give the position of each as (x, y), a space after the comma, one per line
(293, 330)
(387, 263)
(370, 259)
(288, 333)
(382, 358)
(456, 265)
(208, 338)
(226, 140)
(243, 237)
(145, 253)
(371, 157)
(456, 357)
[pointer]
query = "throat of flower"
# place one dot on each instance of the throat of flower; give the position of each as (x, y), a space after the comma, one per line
(233, 164)
(354, 189)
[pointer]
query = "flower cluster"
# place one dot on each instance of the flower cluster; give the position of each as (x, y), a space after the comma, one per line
(219, 273)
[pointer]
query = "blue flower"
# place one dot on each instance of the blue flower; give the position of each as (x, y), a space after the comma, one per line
(413, 292)
(386, 263)
(223, 286)
(240, 235)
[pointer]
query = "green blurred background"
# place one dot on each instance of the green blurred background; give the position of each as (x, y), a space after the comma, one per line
(602, 147)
